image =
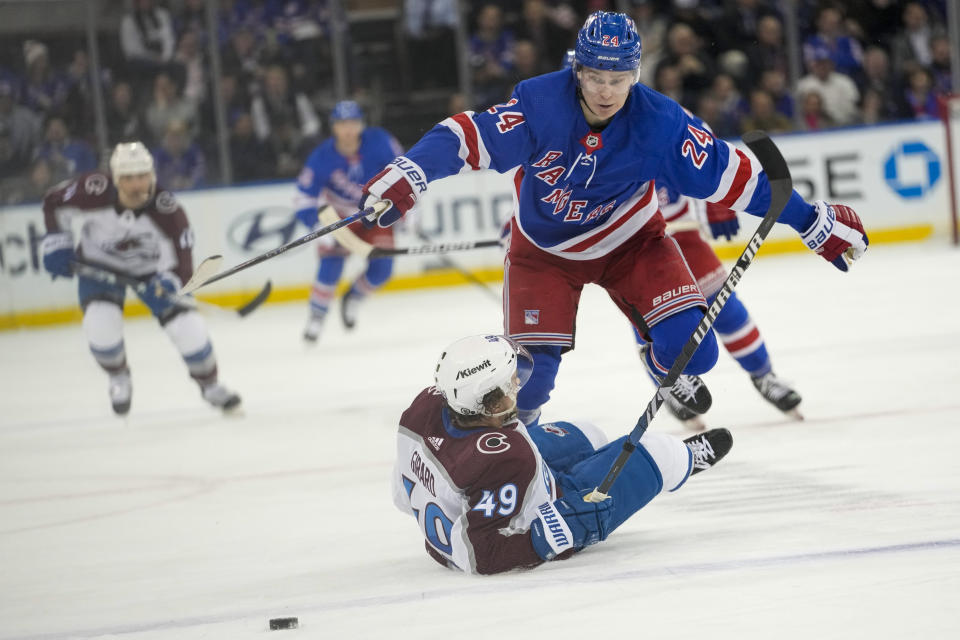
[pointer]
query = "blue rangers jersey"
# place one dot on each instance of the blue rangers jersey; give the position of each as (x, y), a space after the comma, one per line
(582, 193)
(329, 178)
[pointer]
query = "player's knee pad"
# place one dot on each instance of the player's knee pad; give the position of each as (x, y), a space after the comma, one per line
(378, 271)
(546, 362)
(188, 332)
(103, 326)
(671, 457)
(674, 331)
(732, 317)
(330, 269)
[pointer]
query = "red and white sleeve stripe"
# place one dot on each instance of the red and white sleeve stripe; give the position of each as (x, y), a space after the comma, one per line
(738, 182)
(472, 150)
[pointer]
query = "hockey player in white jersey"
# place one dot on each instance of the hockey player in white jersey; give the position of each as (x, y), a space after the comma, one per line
(589, 144)
(134, 228)
(490, 494)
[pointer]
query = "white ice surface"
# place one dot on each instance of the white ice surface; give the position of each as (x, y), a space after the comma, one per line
(179, 523)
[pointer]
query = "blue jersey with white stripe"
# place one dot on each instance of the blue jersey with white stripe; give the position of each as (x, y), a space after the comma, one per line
(330, 178)
(581, 193)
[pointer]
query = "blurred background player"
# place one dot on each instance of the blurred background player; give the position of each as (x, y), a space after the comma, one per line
(491, 495)
(685, 218)
(133, 227)
(333, 177)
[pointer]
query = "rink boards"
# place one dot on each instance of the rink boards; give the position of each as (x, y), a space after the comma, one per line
(895, 176)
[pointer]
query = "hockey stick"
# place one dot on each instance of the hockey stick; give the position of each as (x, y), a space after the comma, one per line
(781, 188)
(206, 272)
(101, 274)
(360, 247)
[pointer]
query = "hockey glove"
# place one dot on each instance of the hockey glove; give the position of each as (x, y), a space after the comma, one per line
(160, 294)
(400, 184)
(58, 253)
(837, 234)
(722, 221)
(569, 523)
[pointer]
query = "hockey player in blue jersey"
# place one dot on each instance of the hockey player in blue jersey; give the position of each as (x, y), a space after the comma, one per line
(331, 183)
(589, 144)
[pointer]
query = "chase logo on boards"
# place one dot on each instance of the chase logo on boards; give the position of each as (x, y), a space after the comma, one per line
(912, 169)
(262, 229)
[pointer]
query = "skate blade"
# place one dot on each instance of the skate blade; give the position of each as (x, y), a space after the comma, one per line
(695, 424)
(794, 413)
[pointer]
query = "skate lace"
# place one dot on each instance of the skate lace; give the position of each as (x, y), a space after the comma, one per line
(686, 388)
(771, 387)
(702, 453)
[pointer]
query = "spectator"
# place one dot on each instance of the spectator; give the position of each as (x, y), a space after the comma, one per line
(550, 30)
(78, 108)
(180, 164)
(491, 50)
(191, 59)
(147, 40)
(65, 156)
(873, 21)
(286, 119)
(430, 31)
(763, 115)
(191, 17)
(774, 82)
(876, 78)
(872, 108)
(526, 62)
(813, 116)
(768, 52)
(652, 26)
(21, 131)
(731, 106)
(124, 123)
(45, 91)
(940, 65)
(299, 27)
(168, 105)
(912, 47)
(30, 187)
(740, 22)
(252, 158)
(838, 91)
(831, 35)
(668, 82)
(685, 52)
(242, 58)
(919, 99)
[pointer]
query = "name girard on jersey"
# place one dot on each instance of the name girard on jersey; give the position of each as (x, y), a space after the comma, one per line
(423, 473)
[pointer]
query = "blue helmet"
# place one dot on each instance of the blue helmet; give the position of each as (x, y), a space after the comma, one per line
(608, 41)
(346, 110)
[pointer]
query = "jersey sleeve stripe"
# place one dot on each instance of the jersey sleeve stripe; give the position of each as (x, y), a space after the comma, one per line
(472, 150)
(740, 181)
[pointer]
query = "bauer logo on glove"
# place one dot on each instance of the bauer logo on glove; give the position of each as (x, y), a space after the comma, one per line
(399, 185)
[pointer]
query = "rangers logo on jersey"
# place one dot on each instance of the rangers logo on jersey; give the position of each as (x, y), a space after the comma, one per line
(531, 316)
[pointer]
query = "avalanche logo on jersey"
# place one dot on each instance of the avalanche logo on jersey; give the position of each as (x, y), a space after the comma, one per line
(491, 443)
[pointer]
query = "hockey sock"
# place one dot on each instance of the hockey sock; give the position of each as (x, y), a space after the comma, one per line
(536, 392)
(741, 337)
(325, 285)
(103, 326)
(188, 332)
(671, 334)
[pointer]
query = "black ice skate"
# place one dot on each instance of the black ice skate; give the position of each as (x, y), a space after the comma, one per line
(121, 391)
(690, 420)
(348, 308)
(777, 393)
(221, 397)
(708, 448)
(688, 397)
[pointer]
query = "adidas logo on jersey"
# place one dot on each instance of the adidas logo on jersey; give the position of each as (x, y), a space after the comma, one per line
(435, 442)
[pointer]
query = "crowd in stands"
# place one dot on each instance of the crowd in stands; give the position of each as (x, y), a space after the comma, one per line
(863, 62)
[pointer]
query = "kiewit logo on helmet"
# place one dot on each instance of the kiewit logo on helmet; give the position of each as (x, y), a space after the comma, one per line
(463, 373)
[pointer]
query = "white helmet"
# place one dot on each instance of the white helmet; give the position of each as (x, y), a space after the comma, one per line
(130, 159)
(472, 367)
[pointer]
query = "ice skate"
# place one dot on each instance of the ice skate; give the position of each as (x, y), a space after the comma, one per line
(348, 308)
(314, 325)
(221, 397)
(708, 448)
(121, 390)
(776, 392)
(689, 419)
(688, 393)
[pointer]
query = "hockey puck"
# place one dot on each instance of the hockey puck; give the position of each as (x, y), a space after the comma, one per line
(284, 623)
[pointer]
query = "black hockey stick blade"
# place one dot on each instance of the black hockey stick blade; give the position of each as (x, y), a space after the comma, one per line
(781, 188)
(248, 308)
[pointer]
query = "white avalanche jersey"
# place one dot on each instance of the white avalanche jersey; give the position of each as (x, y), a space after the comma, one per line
(472, 492)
